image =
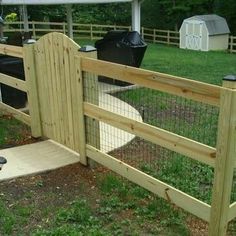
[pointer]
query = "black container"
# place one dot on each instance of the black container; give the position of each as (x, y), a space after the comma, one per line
(123, 47)
(14, 67)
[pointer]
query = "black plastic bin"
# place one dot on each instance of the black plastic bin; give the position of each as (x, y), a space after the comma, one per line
(123, 47)
(14, 67)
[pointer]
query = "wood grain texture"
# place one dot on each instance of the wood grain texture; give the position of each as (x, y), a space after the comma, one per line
(202, 92)
(32, 90)
(55, 55)
(174, 142)
(174, 196)
(225, 162)
(16, 113)
(11, 50)
(13, 82)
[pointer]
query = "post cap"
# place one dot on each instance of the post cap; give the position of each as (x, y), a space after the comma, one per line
(231, 78)
(2, 160)
(87, 48)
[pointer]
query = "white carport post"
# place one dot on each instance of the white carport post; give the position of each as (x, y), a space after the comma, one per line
(25, 18)
(136, 15)
(69, 20)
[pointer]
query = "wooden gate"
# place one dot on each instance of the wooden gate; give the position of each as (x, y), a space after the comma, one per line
(55, 95)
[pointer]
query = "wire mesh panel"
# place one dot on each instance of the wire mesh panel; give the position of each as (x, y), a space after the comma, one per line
(182, 116)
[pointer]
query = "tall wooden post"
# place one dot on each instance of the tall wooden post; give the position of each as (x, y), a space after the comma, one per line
(91, 95)
(225, 159)
(32, 89)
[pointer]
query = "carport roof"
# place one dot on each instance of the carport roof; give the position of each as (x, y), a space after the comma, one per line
(56, 2)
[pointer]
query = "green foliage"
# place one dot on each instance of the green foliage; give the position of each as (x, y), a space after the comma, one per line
(11, 17)
(7, 219)
(10, 130)
(79, 212)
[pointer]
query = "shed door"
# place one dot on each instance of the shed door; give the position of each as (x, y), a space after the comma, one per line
(194, 35)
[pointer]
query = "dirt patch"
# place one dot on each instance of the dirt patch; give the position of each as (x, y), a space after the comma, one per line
(14, 133)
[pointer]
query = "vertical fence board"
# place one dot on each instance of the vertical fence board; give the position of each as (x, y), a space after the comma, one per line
(31, 80)
(225, 159)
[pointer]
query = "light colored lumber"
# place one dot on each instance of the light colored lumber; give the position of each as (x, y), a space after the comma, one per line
(206, 93)
(16, 113)
(32, 90)
(11, 50)
(177, 143)
(13, 82)
(79, 121)
(69, 98)
(91, 95)
(232, 212)
(174, 196)
(225, 162)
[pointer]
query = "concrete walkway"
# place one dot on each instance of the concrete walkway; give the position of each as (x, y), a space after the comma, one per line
(49, 155)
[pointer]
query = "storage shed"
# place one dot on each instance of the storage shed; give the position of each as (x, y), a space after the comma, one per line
(204, 33)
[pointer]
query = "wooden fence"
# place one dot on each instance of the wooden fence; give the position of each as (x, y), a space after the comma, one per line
(96, 31)
(56, 58)
(14, 83)
(168, 37)
(38, 29)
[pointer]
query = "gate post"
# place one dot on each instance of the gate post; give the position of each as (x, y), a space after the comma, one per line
(225, 159)
(32, 89)
(91, 95)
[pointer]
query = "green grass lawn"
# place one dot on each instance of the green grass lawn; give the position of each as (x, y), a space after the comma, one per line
(209, 67)
(110, 205)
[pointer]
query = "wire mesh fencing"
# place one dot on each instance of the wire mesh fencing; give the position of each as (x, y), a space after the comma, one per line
(184, 117)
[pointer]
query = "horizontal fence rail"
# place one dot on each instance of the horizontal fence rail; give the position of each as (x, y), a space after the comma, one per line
(209, 94)
(190, 204)
(11, 50)
(182, 145)
(19, 115)
(14, 83)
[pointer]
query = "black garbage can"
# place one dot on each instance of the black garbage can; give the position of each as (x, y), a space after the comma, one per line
(123, 47)
(14, 67)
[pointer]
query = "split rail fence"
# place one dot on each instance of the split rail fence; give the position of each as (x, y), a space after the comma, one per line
(96, 31)
(63, 94)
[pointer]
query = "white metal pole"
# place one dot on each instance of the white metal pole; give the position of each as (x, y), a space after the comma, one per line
(136, 15)
(25, 18)
(69, 20)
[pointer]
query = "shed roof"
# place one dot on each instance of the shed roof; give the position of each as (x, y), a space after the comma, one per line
(215, 24)
(55, 2)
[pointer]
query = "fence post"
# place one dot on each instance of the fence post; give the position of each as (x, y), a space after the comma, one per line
(33, 28)
(142, 32)
(64, 27)
(225, 159)
(168, 37)
(91, 32)
(154, 35)
(32, 89)
(231, 43)
(91, 95)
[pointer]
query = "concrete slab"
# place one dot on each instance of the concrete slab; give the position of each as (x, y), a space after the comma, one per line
(35, 158)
